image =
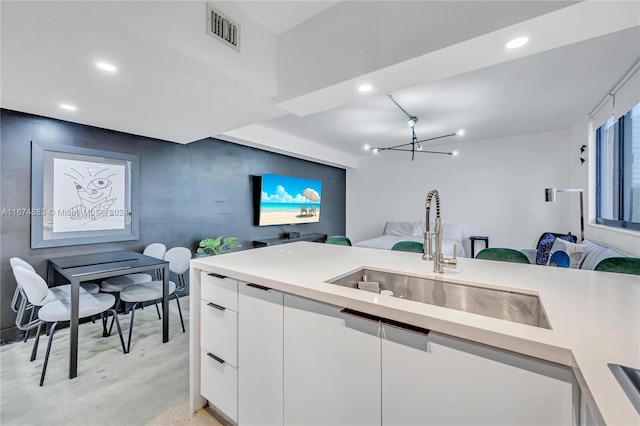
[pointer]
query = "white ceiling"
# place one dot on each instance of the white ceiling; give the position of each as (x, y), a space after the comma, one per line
(178, 84)
(281, 16)
(546, 91)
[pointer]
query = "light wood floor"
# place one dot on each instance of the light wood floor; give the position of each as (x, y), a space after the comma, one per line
(148, 386)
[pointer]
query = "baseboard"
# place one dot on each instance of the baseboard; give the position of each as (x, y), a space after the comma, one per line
(11, 335)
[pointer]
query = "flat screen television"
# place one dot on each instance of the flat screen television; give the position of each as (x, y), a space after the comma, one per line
(287, 200)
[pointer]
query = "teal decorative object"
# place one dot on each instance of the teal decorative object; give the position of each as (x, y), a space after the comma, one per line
(339, 240)
(622, 265)
(411, 246)
(503, 255)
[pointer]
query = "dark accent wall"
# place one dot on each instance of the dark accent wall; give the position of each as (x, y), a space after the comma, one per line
(187, 192)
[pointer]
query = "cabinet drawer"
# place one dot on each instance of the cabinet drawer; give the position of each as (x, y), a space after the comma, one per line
(219, 385)
(221, 291)
(219, 332)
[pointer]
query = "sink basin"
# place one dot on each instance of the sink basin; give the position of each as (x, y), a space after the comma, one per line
(629, 379)
(506, 305)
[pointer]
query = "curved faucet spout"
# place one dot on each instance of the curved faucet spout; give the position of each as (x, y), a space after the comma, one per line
(427, 205)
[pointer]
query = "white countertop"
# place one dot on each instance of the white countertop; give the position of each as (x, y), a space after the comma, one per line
(594, 316)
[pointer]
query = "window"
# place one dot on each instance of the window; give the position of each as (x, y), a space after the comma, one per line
(618, 171)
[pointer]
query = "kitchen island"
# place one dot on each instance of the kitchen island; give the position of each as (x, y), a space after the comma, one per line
(594, 317)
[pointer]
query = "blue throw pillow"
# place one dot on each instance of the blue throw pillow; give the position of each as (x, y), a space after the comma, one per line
(545, 243)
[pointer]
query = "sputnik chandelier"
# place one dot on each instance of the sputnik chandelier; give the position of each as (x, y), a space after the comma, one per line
(414, 146)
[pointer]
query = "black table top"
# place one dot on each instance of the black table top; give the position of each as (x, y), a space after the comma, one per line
(85, 264)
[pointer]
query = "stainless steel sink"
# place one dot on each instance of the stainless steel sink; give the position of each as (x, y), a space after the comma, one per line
(506, 305)
(629, 379)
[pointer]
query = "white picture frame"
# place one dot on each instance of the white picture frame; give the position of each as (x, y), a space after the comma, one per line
(82, 196)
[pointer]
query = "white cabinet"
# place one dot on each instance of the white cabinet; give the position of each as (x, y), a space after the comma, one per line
(331, 366)
(219, 384)
(269, 358)
(221, 336)
(219, 343)
(440, 380)
(260, 356)
(586, 418)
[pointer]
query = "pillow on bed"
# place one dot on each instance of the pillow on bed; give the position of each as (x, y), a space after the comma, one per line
(450, 231)
(575, 251)
(402, 229)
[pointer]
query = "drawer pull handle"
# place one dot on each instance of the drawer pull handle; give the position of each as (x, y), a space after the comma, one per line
(220, 360)
(362, 315)
(387, 322)
(258, 286)
(217, 275)
(218, 307)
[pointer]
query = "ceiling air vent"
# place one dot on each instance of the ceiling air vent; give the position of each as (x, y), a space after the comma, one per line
(222, 28)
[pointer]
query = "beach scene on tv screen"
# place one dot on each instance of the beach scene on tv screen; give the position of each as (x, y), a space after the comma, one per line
(287, 200)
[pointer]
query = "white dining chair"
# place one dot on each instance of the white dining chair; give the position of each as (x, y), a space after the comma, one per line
(92, 288)
(20, 305)
(36, 291)
(178, 258)
(117, 284)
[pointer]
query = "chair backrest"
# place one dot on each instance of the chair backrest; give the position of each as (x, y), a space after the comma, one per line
(339, 240)
(503, 254)
(157, 250)
(622, 265)
(412, 246)
(178, 258)
(16, 261)
(34, 287)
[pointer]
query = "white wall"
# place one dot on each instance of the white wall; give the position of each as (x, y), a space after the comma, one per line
(494, 187)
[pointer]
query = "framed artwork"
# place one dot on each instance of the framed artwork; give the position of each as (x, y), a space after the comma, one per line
(82, 196)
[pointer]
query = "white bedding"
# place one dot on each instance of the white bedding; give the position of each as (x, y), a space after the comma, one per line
(395, 232)
(385, 242)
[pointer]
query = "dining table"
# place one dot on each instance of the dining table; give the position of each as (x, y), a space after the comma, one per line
(97, 266)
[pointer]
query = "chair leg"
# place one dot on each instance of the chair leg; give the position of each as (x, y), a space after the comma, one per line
(34, 351)
(115, 316)
(184, 284)
(157, 309)
(105, 320)
(26, 333)
(46, 357)
(180, 312)
(133, 311)
(119, 303)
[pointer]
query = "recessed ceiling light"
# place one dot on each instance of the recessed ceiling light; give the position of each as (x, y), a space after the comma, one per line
(516, 42)
(365, 87)
(68, 107)
(106, 66)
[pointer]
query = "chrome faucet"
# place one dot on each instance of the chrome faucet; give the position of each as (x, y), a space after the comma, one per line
(439, 261)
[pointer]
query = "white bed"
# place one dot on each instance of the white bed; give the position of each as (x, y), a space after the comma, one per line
(414, 231)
